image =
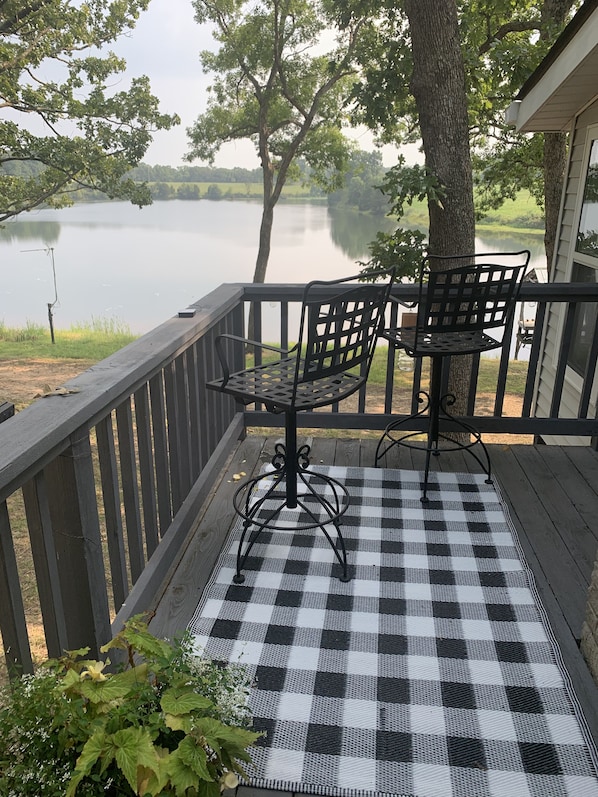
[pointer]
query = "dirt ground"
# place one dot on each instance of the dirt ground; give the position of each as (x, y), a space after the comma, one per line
(22, 381)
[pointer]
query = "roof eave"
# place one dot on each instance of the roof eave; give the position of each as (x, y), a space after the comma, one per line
(567, 81)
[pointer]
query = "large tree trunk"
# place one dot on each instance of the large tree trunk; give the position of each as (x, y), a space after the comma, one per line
(555, 158)
(438, 85)
(269, 199)
(263, 252)
(263, 255)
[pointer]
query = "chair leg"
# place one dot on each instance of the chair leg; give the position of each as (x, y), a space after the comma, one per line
(436, 406)
(259, 504)
(434, 421)
(387, 441)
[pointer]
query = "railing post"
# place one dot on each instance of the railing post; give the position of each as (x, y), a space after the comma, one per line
(73, 509)
(13, 624)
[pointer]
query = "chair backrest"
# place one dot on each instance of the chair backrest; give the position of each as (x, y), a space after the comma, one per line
(339, 332)
(474, 293)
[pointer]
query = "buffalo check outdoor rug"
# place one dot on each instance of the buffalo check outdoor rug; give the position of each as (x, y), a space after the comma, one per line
(432, 673)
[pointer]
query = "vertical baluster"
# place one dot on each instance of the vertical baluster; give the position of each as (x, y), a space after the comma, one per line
(158, 409)
(590, 374)
(391, 355)
(473, 383)
(559, 377)
(43, 551)
(503, 367)
(12, 613)
(173, 437)
(284, 325)
(130, 488)
(204, 401)
(534, 359)
(194, 411)
(146, 468)
(112, 510)
(182, 425)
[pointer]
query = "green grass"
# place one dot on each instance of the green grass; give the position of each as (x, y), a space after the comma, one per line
(93, 341)
(518, 215)
(521, 212)
(487, 376)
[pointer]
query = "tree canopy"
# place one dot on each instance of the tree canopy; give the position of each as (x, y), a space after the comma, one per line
(277, 82)
(62, 126)
(502, 42)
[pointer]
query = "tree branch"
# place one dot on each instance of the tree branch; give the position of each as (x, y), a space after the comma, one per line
(504, 30)
(11, 24)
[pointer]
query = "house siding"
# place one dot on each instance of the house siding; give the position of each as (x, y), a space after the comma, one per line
(561, 273)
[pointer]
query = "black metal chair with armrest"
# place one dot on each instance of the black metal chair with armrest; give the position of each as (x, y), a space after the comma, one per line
(458, 301)
(339, 326)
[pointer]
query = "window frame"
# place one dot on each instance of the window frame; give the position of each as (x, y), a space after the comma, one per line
(575, 257)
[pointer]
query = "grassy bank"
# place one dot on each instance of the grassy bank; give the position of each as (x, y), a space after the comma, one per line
(519, 215)
(93, 341)
(88, 345)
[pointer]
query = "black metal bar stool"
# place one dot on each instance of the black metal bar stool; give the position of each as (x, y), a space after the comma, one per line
(341, 321)
(459, 299)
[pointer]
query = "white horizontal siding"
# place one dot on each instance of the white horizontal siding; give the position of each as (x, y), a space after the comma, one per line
(565, 242)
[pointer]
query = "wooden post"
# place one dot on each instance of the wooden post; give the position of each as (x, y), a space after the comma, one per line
(12, 617)
(35, 496)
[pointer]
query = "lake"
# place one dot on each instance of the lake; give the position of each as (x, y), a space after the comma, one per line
(139, 267)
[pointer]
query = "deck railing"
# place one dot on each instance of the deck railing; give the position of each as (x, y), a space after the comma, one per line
(100, 488)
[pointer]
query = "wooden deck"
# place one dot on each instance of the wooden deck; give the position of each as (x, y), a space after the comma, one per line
(552, 495)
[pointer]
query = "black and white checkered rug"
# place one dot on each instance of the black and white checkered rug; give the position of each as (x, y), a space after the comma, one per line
(432, 673)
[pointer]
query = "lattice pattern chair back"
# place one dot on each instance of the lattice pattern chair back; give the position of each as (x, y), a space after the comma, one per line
(468, 298)
(459, 301)
(341, 333)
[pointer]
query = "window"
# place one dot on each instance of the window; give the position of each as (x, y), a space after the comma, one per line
(585, 266)
(587, 235)
(584, 322)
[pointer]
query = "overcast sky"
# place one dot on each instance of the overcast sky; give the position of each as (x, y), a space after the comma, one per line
(165, 45)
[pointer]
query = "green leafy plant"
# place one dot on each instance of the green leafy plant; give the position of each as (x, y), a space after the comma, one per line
(167, 722)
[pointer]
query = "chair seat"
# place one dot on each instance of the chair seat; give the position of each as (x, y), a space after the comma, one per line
(429, 343)
(274, 385)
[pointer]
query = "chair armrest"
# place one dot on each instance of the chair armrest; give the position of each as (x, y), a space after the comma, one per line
(246, 341)
(409, 305)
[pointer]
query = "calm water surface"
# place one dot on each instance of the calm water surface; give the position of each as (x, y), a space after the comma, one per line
(139, 267)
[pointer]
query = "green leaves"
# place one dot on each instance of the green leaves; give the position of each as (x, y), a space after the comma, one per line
(188, 764)
(183, 701)
(86, 134)
(402, 249)
(270, 87)
(273, 85)
(148, 730)
(131, 748)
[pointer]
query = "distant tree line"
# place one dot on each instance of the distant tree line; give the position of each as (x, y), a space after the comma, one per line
(360, 189)
(194, 174)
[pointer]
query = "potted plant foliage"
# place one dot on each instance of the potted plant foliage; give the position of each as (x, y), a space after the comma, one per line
(164, 722)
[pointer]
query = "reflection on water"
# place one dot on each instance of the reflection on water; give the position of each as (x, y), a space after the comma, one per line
(45, 233)
(114, 260)
(353, 231)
